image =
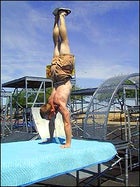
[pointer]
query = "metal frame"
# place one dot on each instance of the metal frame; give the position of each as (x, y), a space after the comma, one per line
(6, 111)
(78, 106)
(101, 103)
(96, 176)
(31, 85)
(95, 122)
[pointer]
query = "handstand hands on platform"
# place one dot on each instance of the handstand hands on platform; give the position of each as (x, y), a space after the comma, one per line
(61, 72)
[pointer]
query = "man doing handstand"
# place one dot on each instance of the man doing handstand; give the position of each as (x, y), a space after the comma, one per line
(61, 72)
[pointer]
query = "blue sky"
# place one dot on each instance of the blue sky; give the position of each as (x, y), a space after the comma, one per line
(103, 36)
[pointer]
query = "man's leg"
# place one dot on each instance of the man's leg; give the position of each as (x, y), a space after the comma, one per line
(56, 37)
(64, 46)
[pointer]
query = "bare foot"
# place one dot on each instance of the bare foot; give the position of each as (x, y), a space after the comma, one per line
(65, 146)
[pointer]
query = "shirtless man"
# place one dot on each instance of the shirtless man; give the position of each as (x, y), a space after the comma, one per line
(61, 73)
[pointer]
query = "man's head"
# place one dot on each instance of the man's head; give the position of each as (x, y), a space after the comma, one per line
(45, 111)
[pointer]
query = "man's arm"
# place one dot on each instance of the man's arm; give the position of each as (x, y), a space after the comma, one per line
(51, 100)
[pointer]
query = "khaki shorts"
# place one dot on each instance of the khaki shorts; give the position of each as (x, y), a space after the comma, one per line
(62, 68)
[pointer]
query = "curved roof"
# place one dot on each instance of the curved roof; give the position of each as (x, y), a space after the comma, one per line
(102, 99)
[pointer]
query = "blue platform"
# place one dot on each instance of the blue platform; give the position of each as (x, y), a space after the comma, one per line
(28, 162)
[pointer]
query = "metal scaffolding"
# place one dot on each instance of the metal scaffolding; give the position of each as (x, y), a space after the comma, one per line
(6, 111)
(34, 91)
(111, 98)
